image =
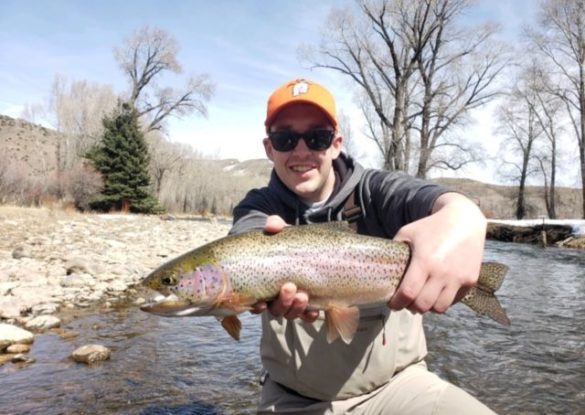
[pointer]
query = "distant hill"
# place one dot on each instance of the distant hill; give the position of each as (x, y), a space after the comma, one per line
(497, 201)
(35, 146)
(32, 144)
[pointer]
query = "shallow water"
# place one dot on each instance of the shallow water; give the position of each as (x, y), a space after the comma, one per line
(191, 366)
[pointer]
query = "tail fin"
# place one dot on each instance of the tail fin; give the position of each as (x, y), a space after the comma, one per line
(482, 299)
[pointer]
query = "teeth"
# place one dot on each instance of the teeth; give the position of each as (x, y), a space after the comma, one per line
(301, 169)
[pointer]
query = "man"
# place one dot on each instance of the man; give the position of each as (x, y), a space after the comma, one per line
(382, 371)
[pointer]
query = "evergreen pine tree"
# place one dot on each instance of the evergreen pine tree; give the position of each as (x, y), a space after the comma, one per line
(122, 158)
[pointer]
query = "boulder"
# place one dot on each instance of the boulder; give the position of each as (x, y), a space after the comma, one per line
(11, 307)
(91, 353)
(43, 322)
(15, 335)
(21, 251)
(18, 348)
(5, 358)
(45, 308)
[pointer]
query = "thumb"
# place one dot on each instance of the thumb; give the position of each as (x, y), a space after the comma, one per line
(274, 224)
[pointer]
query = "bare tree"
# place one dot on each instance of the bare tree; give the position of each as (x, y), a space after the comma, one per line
(519, 126)
(33, 113)
(147, 55)
(560, 39)
(77, 109)
(420, 73)
(350, 146)
(547, 108)
(165, 157)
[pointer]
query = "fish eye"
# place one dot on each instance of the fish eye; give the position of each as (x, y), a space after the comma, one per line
(168, 280)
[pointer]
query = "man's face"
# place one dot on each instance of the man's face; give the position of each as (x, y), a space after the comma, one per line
(308, 173)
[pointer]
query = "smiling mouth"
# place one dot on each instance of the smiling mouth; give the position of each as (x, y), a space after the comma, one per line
(302, 169)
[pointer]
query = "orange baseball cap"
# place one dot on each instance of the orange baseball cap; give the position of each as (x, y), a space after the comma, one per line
(300, 91)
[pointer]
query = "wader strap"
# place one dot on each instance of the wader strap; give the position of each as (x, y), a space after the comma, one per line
(352, 210)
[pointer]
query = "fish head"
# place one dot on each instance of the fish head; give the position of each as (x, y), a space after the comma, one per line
(185, 290)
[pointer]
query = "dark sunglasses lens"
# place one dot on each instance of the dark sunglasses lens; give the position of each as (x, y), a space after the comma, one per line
(319, 139)
(284, 140)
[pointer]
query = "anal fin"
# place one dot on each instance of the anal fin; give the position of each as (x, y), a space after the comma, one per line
(342, 322)
(232, 325)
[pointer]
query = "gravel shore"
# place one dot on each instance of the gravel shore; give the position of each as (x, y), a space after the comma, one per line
(55, 261)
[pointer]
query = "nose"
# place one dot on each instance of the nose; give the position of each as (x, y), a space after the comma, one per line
(301, 146)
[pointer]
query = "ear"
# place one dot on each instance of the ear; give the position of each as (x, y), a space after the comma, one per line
(336, 146)
(268, 149)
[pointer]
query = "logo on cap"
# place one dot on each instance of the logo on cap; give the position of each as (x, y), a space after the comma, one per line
(301, 87)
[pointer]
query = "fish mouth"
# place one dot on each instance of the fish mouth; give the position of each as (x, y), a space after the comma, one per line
(172, 306)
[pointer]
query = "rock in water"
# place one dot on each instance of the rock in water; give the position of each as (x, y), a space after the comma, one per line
(91, 353)
(15, 335)
(18, 348)
(43, 322)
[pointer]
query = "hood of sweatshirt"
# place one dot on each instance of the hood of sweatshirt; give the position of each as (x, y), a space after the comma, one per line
(347, 176)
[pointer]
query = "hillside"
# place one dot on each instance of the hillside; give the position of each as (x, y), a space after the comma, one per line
(497, 201)
(35, 147)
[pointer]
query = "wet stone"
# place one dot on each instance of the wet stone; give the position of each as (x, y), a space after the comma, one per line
(22, 358)
(5, 358)
(18, 348)
(91, 353)
(46, 308)
(14, 334)
(44, 322)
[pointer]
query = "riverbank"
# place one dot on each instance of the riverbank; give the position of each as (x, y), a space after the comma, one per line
(560, 233)
(65, 264)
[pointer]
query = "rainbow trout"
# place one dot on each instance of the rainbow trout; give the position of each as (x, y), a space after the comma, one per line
(340, 270)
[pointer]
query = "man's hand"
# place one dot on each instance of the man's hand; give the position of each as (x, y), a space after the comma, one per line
(290, 303)
(447, 250)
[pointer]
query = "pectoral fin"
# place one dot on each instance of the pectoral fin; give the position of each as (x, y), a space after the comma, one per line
(342, 322)
(232, 325)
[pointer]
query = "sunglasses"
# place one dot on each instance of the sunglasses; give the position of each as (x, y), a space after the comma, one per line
(286, 140)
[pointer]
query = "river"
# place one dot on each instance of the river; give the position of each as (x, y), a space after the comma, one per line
(191, 366)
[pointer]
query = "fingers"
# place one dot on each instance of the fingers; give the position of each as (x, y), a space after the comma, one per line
(274, 224)
(434, 296)
(410, 287)
(259, 307)
(421, 292)
(282, 304)
(292, 304)
(446, 253)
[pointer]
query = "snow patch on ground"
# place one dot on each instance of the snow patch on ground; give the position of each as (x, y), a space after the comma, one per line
(578, 225)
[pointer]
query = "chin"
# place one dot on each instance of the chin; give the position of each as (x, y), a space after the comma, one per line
(305, 193)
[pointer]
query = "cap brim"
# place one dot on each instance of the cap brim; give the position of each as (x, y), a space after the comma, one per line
(278, 110)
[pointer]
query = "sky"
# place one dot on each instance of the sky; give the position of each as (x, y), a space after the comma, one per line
(248, 47)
